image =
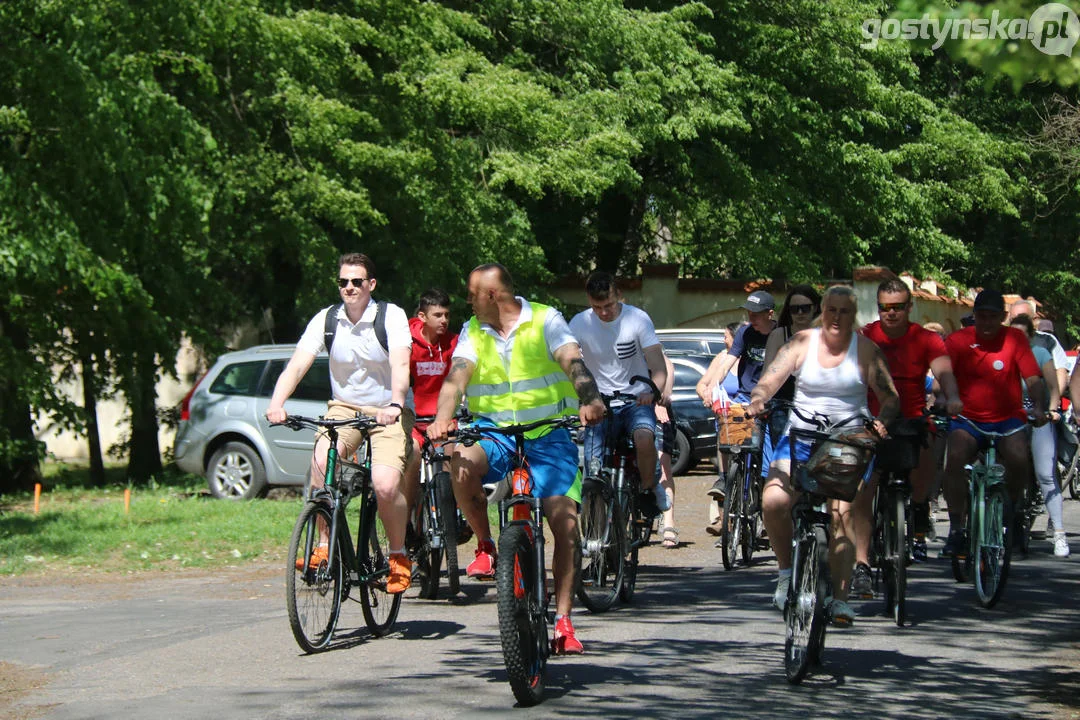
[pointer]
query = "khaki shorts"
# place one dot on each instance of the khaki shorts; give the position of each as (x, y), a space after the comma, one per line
(390, 444)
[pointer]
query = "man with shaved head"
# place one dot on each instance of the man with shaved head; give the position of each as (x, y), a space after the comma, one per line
(520, 363)
(1045, 340)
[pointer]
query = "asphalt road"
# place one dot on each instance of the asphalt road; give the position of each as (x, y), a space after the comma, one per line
(697, 641)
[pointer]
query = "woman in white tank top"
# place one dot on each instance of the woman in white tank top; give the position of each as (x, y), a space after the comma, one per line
(835, 366)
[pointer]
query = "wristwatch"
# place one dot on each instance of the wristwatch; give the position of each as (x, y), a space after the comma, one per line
(398, 406)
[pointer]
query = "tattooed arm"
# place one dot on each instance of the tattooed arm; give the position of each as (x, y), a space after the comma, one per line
(787, 360)
(591, 407)
(876, 371)
(453, 389)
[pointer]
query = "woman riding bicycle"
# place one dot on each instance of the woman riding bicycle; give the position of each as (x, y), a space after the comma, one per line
(833, 367)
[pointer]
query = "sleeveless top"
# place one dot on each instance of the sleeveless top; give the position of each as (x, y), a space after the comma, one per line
(838, 392)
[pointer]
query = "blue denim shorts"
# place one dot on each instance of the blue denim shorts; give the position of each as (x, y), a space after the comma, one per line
(627, 419)
(553, 461)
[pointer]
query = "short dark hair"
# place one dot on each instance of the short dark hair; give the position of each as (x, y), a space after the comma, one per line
(1026, 322)
(358, 259)
(432, 297)
(601, 285)
(503, 274)
(894, 285)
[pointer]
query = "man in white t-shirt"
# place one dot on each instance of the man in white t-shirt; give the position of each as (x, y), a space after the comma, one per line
(618, 341)
(364, 377)
(1045, 340)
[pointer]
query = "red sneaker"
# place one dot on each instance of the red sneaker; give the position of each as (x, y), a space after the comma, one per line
(564, 642)
(483, 567)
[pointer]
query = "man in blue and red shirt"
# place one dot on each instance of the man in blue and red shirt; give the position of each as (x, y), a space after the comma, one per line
(989, 361)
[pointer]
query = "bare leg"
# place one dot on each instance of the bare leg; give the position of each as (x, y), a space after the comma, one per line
(468, 467)
(841, 548)
(776, 501)
(561, 513)
(862, 521)
(645, 445)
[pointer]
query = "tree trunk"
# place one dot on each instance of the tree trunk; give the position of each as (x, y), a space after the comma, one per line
(144, 460)
(93, 436)
(19, 449)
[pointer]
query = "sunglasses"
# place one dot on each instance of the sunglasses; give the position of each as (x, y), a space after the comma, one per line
(800, 309)
(892, 307)
(356, 282)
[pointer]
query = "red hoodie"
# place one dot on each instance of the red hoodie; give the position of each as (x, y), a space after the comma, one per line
(428, 366)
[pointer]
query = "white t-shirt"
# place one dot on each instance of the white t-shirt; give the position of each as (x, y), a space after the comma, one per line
(556, 334)
(614, 352)
(359, 367)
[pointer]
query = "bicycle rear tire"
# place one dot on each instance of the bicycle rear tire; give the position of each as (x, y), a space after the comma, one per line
(444, 494)
(750, 520)
(993, 546)
(804, 610)
(603, 546)
(896, 561)
(312, 595)
(380, 607)
(633, 534)
(734, 507)
(428, 558)
(522, 624)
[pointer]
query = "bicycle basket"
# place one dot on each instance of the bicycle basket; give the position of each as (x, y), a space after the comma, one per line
(734, 427)
(837, 466)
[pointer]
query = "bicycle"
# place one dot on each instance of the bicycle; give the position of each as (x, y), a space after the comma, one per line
(742, 503)
(1068, 462)
(989, 523)
(520, 571)
(434, 522)
(839, 460)
(890, 547)
(612, 525)
(317, 584)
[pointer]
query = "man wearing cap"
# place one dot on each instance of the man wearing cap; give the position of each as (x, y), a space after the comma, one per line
(748, 348)
(989, 361)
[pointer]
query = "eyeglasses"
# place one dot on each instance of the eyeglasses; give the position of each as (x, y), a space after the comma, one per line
(892, 307)
(801, 309)
(356, 282)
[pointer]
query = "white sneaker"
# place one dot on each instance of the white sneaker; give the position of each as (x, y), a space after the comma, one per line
(779, 597)
(1061, 545)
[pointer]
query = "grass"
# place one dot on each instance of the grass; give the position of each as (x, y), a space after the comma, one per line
(171, 526)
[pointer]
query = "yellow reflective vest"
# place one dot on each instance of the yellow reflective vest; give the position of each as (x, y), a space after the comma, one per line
(534, 387)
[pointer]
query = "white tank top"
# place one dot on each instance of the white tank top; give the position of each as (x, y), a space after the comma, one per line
(838, 392)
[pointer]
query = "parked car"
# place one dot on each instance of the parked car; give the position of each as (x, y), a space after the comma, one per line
(223, 433)
(707, 341)
(695, 425)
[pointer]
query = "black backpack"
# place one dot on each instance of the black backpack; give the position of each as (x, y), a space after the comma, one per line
(331, 325)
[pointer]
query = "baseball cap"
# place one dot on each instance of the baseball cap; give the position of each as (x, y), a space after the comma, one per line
(990, 300)
(759, 301)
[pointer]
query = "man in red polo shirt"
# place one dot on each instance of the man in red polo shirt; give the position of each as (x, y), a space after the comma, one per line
(989, 360)
(910, 351)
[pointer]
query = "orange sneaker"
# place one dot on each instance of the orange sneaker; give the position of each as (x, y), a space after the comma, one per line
(319, 555)
(483, 567)
(565, 642)
(400, 574)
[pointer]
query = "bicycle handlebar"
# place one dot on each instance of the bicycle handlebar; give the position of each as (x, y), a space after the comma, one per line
(471, 435)
(300, 422)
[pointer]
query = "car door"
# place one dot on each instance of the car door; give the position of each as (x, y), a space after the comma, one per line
(290, 450)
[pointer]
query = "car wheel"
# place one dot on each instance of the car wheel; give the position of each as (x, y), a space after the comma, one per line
(236, 472)
(682, 459)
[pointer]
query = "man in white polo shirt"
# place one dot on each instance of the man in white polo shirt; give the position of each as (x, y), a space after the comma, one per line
(365, 376)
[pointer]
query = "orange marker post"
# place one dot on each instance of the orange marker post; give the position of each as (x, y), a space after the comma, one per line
(127, 500)
(37, 497)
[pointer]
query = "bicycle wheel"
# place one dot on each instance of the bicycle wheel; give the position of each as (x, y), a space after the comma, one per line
(522, 622)
(750, 519)
(380, 607)
(804, 611)
(448, 524)
(1070, 475)
(312, 594)
(734, 507)
(428, 558)
(602, 546)
(993, 546)
(895, 560)
(632, 534)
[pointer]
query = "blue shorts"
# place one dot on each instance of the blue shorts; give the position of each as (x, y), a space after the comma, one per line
(553, 460)
(972, 428)
(628, 419)
(782, 449)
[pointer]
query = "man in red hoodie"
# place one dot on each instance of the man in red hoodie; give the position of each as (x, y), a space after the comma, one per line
(432, 347)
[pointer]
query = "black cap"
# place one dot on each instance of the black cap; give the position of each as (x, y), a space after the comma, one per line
(758, 301)
(990, 300)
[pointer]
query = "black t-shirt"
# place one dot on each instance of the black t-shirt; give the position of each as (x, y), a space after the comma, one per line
(749, 344)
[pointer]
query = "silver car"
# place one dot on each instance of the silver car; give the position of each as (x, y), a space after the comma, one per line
(223, 433)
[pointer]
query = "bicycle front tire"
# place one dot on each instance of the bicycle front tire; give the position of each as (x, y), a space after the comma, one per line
(444, 495)
(804, 611)
(896, 557)
(312, 594)
(522, 624)
(734, 507)
(633, 537)
(993, 546)
(603, 548)
(380, 607)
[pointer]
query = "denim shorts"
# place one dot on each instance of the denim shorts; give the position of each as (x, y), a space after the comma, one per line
(553, 461)
(627, 419)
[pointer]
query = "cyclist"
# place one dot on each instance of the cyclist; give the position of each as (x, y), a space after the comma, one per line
(520, 363)
(1045, 340)
(730, 385)
(367, 377)
(432, 348)
(834, 366)
(618, 341)
(1043, 453)
(748, 349)
(910, 351)
(989, 360)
